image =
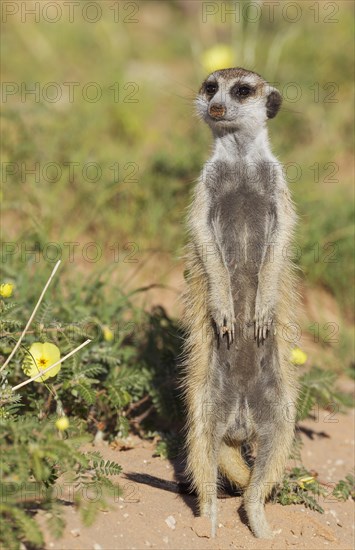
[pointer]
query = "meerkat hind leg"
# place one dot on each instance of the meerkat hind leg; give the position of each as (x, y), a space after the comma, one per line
(269, 464)
(204, 440)
(203, 465)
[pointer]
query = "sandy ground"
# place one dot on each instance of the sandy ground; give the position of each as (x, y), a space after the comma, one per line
(149, 515)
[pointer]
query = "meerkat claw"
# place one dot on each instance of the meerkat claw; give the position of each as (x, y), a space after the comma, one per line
(256, 328)
(262, 328)
(229, 338)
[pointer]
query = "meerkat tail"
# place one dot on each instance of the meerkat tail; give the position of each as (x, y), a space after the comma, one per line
(233, 466)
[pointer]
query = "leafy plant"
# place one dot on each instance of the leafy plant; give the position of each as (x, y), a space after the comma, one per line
(36, 457)
(345, 488)
(40, 469)
(300, 487)
(318, 389)
(120, 382)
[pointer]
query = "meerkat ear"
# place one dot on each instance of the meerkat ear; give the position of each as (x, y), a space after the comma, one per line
(273, 103)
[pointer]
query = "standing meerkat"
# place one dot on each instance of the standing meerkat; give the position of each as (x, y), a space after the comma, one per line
(238, 382)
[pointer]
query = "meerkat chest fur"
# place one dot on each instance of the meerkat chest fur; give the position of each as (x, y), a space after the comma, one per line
(242, 193)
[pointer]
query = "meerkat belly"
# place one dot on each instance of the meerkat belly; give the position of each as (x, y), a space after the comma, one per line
(241, 221)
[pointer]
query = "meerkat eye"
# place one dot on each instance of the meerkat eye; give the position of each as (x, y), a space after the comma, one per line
(244, 90)
(240, 90)
(211, 88)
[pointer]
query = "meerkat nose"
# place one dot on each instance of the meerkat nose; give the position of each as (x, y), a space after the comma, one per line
(217, 110)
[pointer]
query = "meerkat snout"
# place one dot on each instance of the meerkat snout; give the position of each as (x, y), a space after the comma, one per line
(216, 110)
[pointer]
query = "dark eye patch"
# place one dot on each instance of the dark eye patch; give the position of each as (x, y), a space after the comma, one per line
(211, 88)
(242, 90)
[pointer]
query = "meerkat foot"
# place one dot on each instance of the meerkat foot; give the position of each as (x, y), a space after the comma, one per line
(209, 510)
(214, 526)
(262, 531)
(258, 522)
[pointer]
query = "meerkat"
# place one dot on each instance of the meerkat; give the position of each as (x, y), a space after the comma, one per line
(238, 383)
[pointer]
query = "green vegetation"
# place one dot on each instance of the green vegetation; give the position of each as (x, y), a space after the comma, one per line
(299, 486)
(40, 470)
(103, 185)
(318, 389)
(124, 380)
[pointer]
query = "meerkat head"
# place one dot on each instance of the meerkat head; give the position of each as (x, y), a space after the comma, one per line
(236, 99)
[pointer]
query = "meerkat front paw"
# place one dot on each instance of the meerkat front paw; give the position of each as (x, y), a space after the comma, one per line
(263, 320)
(225, 321)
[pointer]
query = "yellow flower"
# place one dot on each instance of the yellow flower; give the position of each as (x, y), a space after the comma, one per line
(108, 334)
(42, 356)
(298, 357)
(62, 423)
(219, 56)
(6, 290)
(304, 480)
